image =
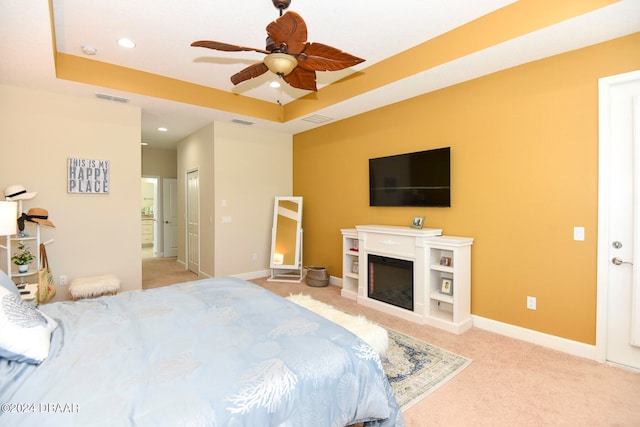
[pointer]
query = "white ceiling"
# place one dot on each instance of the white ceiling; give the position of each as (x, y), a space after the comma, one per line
(164, 29)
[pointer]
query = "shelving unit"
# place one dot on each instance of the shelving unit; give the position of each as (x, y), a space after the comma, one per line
(350, 255)
(449, 258)
(147, 229)
(32, 241)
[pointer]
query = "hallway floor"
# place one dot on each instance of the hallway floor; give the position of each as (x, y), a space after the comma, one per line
(157, 272)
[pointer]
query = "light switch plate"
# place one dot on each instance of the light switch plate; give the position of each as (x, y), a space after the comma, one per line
(578, 233)
(531, 303)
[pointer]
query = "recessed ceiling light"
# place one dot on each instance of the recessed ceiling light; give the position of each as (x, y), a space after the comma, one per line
(144, 143)
(274, 84)
(126, 43)
(162, 129)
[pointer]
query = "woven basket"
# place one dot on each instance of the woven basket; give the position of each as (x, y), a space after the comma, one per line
(317, 276)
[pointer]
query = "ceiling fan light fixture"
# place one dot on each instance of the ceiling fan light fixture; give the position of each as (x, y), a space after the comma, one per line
(280, 63)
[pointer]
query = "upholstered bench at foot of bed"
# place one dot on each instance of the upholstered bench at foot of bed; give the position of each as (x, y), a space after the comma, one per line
(87, 287)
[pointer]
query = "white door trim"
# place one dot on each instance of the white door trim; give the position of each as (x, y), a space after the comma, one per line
(157, 213)
(169, 223)
(604, 87)
(188, 195)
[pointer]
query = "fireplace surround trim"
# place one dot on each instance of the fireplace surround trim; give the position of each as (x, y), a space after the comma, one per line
(425, 247)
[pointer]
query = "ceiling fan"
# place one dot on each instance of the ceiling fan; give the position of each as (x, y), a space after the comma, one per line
(288, 53)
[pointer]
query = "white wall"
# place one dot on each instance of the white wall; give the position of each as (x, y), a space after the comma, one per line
(252, 167)
(246, 168)
(196, 152)
(95, 233)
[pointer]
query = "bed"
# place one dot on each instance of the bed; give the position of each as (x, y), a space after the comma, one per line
(213, 352)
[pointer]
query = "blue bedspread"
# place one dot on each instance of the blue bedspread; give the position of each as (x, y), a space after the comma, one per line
(214, 352)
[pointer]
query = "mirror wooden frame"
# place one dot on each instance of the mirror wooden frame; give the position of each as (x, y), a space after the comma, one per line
(286, 240)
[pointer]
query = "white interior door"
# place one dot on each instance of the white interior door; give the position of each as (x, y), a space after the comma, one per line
(618, 338)
(170, 216)
(193, 223)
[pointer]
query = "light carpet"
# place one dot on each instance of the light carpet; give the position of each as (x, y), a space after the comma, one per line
(414, 368)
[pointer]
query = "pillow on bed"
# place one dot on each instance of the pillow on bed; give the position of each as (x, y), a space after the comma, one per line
(7, 283)
(25, 332)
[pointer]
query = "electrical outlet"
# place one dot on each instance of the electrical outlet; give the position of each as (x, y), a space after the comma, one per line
(63, 280)
(254, 257)
(531, 303)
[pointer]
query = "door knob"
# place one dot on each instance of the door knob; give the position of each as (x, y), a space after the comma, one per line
(166, 222)
(619, 261)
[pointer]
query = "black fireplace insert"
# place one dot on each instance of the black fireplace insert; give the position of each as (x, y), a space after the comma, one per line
(391, 281)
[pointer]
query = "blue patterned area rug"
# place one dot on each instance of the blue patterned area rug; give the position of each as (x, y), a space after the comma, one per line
(415, 369)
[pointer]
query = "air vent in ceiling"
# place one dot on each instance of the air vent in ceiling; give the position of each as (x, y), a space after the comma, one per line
(242, 122)
(111, 98)
(317, 118)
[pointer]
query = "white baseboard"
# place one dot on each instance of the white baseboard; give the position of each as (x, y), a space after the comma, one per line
(267, 273)
(253, 275)
(564, 345)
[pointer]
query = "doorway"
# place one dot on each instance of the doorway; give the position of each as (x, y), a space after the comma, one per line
(149, 216)
(618, 301)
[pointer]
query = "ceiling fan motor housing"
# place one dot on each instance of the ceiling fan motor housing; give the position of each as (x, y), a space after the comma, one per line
(281, 4)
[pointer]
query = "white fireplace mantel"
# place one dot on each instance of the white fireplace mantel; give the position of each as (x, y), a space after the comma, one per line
(427, 248)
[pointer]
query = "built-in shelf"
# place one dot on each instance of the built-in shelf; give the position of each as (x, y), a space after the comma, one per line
(350, 254)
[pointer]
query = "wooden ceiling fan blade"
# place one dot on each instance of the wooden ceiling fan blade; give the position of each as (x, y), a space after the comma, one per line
(250, 72)
(320, 57)
(288, 35)
(302, 79)
(289, 31)
(225, 47)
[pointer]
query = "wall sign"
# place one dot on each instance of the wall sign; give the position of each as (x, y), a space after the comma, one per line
(87, 176)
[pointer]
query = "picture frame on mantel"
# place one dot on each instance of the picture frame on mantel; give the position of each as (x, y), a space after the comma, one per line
(446, 286)
(417, 222)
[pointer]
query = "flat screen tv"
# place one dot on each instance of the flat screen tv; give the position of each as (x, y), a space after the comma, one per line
(412, 179)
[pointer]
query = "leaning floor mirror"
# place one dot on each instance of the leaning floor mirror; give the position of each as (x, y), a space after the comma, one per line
(286, 240)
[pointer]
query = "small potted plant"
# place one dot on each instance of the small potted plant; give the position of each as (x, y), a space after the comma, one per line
(22, 258)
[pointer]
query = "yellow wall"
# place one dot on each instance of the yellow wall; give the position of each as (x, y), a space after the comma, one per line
(524, 172)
